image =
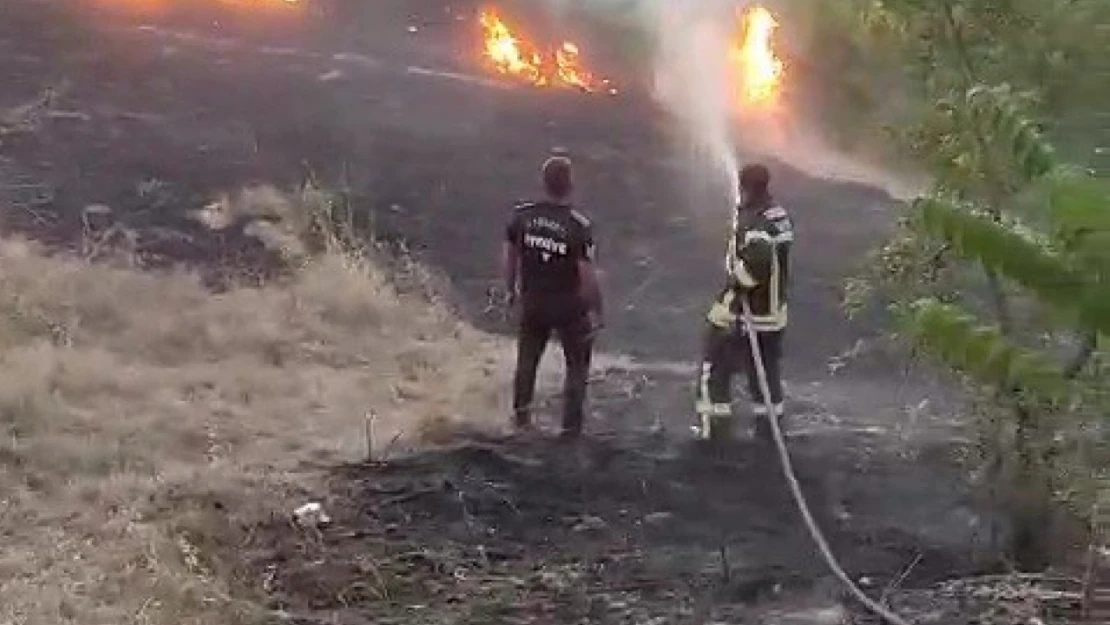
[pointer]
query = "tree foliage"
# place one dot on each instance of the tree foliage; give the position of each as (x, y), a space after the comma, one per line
(997, 82)
(981, 350)
(1069, 284)
(903, 53)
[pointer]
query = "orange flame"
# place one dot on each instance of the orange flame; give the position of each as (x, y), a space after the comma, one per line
(508, 54)
(569, 70)
(512, 55)
(760, 71)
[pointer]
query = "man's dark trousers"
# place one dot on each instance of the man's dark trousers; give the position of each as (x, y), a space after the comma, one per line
(537, 323)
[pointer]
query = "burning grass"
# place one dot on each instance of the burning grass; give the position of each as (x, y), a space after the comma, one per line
(510, 53)
(759, 69)
(755, 75)
(147, 422)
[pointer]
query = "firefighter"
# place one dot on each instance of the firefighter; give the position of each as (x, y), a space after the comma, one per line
(758, 270)
(551, 281)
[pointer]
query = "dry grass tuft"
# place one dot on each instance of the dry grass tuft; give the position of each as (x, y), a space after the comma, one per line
(143, 419)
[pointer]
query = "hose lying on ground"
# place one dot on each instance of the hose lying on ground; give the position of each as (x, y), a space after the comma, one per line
(796, 489)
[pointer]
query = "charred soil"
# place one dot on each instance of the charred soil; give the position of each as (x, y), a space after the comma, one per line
(601, 531)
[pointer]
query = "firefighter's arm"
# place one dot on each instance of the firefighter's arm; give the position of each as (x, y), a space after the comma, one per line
(750, 257)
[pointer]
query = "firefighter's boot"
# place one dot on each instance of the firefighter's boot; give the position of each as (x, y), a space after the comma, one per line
(715, 428)
(721, 429)
(762, 426)
(713, 405)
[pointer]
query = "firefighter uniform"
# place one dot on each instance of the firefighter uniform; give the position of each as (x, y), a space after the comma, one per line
(758, 268)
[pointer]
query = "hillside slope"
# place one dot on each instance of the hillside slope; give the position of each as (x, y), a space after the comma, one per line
(163, 419)
(133, 402)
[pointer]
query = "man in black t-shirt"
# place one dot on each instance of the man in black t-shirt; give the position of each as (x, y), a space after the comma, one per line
(547, 264)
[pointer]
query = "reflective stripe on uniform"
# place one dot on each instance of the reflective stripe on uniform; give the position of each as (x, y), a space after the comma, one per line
(775, 212)
(721, 315)
(730, 255)
(703, 383)
(776, 297)
(742, 275)
(705, 427)
(710, 409)
(757, 235)
(772, 322)
(761, 409)
(705, 408)
(762, 235)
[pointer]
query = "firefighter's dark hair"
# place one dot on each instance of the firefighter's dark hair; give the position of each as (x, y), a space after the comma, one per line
(755, 179)
(557, 179)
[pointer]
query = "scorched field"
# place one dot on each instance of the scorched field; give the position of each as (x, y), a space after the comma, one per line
(164, 420)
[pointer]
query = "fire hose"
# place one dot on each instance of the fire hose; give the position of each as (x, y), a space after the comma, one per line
(796, 489)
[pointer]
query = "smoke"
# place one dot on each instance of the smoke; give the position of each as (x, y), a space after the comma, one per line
(691, 41)
(691, 70)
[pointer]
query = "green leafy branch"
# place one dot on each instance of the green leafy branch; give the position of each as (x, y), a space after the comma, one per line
(1001, 248)
(1079, 209)
(982, 352)
(995, 113)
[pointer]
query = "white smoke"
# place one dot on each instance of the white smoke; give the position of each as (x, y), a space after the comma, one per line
(691, 40)
(691, 71)
(692, 80)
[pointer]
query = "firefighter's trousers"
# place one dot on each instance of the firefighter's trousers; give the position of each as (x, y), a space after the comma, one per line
(727, 350)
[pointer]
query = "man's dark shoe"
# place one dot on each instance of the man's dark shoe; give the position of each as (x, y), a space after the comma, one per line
(572, 427)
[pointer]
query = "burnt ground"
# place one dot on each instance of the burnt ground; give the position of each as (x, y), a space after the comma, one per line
(156, 114)
(607, 533)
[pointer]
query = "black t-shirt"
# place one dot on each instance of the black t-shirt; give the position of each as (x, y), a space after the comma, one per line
(551, 238)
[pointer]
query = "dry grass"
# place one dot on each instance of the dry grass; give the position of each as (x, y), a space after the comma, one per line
(130, 403)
